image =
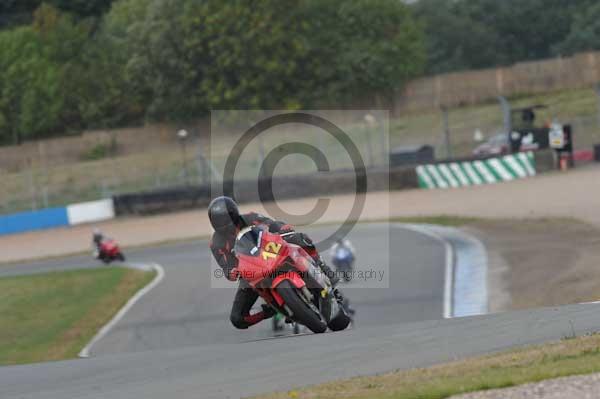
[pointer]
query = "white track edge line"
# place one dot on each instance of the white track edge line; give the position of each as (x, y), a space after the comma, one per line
(160, 274)
(449, 267)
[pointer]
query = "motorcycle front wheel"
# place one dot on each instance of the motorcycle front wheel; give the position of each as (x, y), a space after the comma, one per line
(303, 313)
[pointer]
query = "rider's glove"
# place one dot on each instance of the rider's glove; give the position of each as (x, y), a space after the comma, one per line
(268, 311)
(234, 274)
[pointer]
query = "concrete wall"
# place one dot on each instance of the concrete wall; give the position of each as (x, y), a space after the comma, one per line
(57, 217)
(36, 220)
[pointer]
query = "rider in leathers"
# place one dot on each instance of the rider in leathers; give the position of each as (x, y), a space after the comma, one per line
(227, 221)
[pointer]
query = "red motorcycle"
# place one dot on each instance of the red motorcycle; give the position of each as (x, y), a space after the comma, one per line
(108, 251)
(288, 279)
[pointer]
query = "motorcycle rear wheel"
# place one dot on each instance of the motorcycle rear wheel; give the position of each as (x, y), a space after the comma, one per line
(303, 313)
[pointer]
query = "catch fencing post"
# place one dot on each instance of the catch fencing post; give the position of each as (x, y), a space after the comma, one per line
(371, 124)
(446, 123)
(32, 187)
(182, 135)
(505, 114)
(45, 196)
(598, 94)
(261, 151)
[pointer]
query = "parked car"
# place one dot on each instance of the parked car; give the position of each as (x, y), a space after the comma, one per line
(499, 144)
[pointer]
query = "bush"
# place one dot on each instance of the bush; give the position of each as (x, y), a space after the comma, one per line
(100, 151)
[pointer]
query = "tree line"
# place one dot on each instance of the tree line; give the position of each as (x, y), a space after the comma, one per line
(473, 34)
(69, 65)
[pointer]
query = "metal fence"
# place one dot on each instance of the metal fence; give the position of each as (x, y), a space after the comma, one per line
(41, 181)
(467, 127)
(194, 160)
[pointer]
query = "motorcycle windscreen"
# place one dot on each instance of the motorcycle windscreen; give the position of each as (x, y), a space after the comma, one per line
(248, 242)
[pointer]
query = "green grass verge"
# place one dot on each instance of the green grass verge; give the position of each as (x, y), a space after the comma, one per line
(52, 316)
(567, 357)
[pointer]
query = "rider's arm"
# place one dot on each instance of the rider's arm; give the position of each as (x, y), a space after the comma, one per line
(286, 231)
(302, 240)
(275, 226)
(221, 251)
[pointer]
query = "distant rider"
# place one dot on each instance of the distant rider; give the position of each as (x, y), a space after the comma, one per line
(343, 257)
(227, 221)
(97, 239)
(341, 246)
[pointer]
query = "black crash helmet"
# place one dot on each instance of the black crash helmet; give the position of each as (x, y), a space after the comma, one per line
(224, 214)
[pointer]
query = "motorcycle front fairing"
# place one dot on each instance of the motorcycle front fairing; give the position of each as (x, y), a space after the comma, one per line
(260, 256)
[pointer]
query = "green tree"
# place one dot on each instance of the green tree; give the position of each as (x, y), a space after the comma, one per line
(187, 56)
(584, 34)
(527, 30)
(43, 83)
(30, 100)
(360, 47)
(82, 8)
(454, 40)
(177, 59)
(19, 12)
(466, 34)
(16, 12)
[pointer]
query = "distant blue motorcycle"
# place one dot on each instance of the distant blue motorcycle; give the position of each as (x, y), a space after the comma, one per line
(343, 259)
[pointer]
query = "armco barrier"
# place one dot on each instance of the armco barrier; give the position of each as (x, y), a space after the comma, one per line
(290, 187)
(477, 172)
(454, 173)
(35, 220)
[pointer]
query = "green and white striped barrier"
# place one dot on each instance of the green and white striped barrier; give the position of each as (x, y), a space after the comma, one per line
(474, 173)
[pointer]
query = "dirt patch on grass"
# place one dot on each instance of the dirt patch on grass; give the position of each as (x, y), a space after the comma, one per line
(543, 262)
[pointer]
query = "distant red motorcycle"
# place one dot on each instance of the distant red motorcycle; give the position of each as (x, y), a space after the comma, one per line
(288, 279)
(109, 251)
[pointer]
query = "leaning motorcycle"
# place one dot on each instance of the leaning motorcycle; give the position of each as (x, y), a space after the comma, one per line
(109, 251)
(288, 279)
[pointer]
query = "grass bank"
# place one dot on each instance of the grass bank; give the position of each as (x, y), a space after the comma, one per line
(51, 316)
(572, 356)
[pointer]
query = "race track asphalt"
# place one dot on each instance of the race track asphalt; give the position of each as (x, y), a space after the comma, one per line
(177, 341)
(185, 311)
